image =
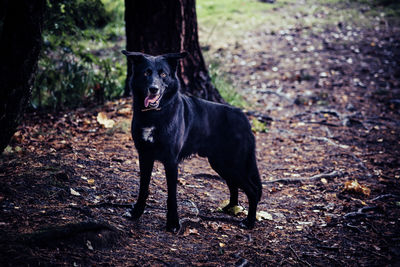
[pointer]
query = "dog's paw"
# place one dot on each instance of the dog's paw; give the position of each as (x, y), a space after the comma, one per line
(228, 209)
(136, 212)
(173, 227)
(232, 209)
(247, 224)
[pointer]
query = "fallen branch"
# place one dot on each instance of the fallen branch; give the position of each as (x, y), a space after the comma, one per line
(328, 175)
(361, 213)
(59, 233)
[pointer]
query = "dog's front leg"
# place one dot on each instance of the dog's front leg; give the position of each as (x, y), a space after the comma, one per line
(171, 172)
(146, 163)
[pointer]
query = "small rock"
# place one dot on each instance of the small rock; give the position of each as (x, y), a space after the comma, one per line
(350, 107)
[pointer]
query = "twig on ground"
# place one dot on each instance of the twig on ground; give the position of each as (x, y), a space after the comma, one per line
(110, 204)
(385, 196)
(322, 123)
(329, 141)
(375, 253)
(328, 175)
(261, 117)
(328, 248)
(226, 218)
(330, 112)
(354, 227)
(362, 165)
(265, 91)
(298, 258)
(195, 207)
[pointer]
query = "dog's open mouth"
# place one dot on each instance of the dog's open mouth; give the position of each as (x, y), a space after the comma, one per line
(152, 100)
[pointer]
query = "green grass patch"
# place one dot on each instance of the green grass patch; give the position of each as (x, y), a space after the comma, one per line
(258, 126)
(225, 87)
(211, 12)
(227, 19)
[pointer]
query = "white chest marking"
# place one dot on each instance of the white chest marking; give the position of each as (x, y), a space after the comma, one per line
(147, 134)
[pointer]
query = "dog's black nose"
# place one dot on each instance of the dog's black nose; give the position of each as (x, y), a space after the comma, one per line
(153, 90)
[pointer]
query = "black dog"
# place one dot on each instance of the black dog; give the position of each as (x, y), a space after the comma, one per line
(168, 126)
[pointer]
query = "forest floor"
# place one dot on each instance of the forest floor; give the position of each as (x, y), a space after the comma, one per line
(329, 162)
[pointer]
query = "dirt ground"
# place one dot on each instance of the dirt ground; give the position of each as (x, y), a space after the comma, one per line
(329, 163)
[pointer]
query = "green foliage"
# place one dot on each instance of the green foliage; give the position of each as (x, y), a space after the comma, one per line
(78, 64)
(68, 79)
(258, 126)
(225, 87)
(71, 16)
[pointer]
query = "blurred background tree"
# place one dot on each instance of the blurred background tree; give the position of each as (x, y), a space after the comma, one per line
(156, 27)
(20, 41)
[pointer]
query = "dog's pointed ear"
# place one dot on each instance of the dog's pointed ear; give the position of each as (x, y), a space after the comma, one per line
(173, 58)
(134, 57)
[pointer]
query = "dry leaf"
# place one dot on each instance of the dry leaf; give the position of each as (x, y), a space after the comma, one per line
(74, 193)
(103, 120)
(190, 231)
(355, 187)
(263, 215)
(124, 111)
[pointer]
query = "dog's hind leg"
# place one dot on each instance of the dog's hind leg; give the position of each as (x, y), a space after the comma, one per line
(253, 199)
(253, 190)
(146, 163)
(233, 189)
(171, 172)
(233, 200)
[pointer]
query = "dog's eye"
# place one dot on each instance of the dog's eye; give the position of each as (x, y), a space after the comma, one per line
(163, 74)
(147, 73)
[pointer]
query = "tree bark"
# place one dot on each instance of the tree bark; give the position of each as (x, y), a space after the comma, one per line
(20, 42)
(157, 26)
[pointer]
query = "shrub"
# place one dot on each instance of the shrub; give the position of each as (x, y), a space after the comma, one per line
(69, 73)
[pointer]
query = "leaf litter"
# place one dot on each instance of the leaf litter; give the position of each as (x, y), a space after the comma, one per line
(330, 115)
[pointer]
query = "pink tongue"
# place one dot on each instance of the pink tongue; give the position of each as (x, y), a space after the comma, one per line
(149, 99)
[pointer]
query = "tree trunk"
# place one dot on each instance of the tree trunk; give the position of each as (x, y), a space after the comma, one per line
(158, 26)
(20, 42)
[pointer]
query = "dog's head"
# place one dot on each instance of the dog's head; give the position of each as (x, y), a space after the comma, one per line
(153, 81)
